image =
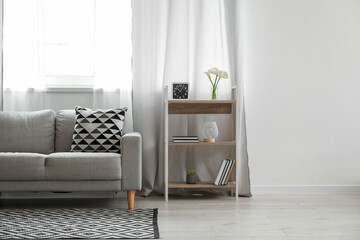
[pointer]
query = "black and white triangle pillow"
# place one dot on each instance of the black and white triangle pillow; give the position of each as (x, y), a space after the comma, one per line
(98, 130)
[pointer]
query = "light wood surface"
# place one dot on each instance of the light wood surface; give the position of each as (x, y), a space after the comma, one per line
(200, 101)
(199, 185)
(200, 106)
(219, 143)
(207, 216)
(131, 199)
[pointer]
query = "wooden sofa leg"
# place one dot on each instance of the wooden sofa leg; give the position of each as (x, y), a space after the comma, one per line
(131, 198)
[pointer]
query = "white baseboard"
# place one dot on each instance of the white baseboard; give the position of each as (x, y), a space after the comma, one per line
(306, 189)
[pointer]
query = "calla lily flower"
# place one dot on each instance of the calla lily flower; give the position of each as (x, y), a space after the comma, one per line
(207, 74)
(214, 71)
(223, 74)
(219, 74)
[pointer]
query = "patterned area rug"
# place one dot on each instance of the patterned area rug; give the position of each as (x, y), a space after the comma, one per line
(78, 223)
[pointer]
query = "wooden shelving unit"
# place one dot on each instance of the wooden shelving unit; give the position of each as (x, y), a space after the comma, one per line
(200, 107)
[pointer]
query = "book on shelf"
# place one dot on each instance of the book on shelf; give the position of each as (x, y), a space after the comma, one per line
(230, 171)
(185, 139)
(222, 166)
(225, 171)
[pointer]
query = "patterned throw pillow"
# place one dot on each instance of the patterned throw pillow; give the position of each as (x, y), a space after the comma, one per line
(98, 130)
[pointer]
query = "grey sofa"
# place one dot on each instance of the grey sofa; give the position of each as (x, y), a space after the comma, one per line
(35, 156)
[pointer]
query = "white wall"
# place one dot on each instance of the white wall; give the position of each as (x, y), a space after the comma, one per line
(302, 91)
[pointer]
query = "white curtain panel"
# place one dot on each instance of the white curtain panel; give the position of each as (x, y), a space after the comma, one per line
(177, 41)
(1, 55)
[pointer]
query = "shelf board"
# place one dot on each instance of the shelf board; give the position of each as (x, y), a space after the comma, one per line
(201, 101)
(219, 143)
(200, 106)
(200, 185)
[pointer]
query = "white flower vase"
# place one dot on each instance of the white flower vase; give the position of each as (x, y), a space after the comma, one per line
(214, 93)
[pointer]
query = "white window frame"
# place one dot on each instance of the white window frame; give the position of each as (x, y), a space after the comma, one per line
(24, 48)
(63, 83)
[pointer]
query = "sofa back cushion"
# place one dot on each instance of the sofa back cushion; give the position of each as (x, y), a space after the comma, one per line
(32, 132)
(65, 122)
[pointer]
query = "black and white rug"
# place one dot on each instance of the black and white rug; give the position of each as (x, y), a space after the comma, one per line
(80, 223)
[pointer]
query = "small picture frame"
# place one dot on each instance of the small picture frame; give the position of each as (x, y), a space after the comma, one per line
(180, 90)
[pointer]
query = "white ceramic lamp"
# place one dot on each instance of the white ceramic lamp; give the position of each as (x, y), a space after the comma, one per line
(210, 131)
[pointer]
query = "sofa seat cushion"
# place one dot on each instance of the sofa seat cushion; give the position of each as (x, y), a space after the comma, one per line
(83, 166)
(22, 166)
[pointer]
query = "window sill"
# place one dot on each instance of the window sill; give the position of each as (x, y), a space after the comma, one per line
(64, 90)
(69, 90)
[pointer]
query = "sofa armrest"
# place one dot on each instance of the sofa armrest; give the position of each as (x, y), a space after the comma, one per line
(131, 161)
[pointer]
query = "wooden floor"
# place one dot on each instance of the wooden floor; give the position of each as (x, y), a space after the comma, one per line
(220, 217)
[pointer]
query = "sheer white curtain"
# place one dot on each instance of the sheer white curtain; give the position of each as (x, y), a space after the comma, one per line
(63, 53)
(1, 55)
(176, 41)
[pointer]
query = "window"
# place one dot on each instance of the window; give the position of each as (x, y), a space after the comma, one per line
(67, 44)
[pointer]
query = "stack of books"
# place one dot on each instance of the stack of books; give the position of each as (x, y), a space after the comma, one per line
(225, 171)
(185, 139)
